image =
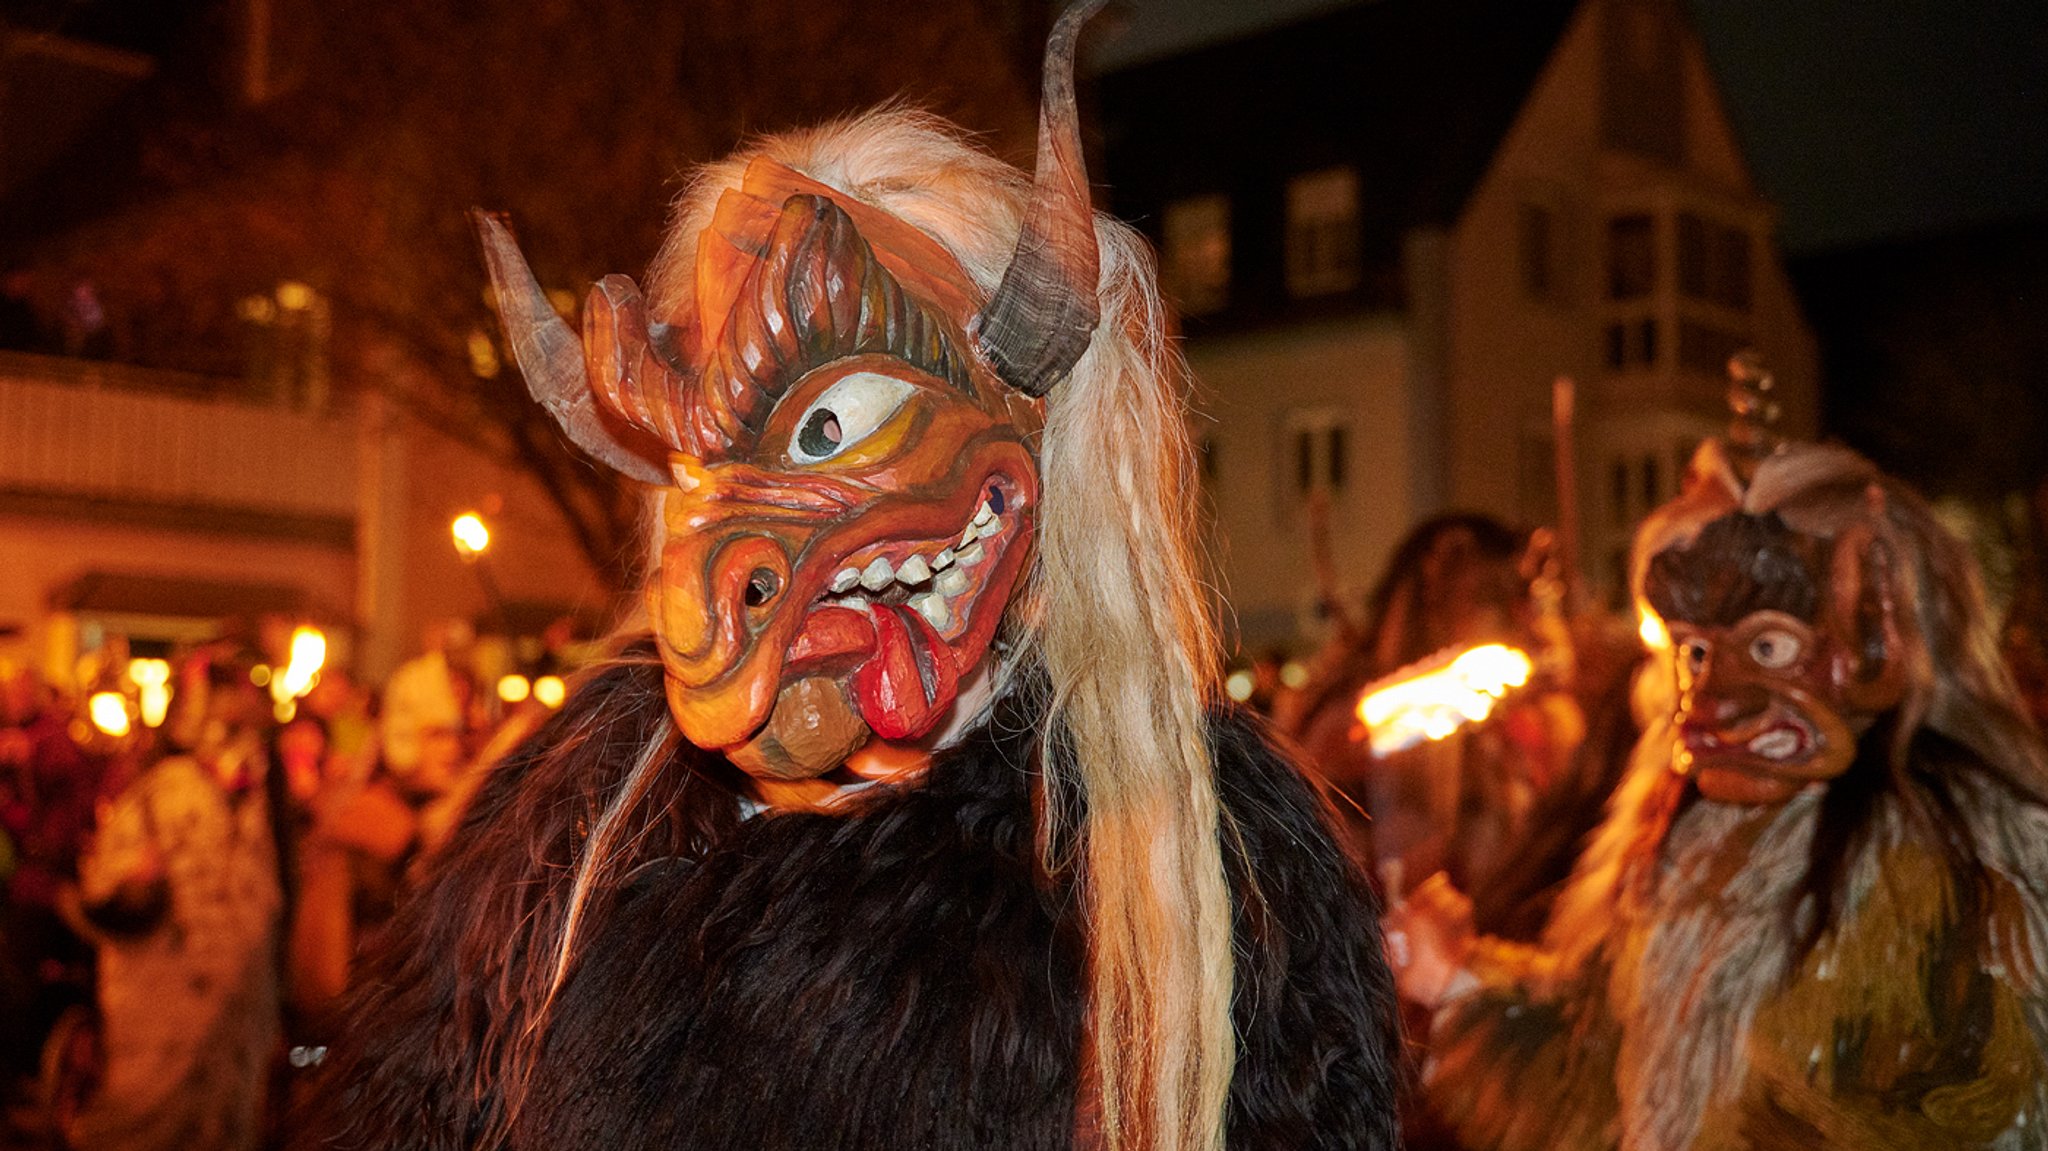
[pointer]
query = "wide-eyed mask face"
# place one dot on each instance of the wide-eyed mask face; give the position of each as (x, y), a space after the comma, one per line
(1785, 651)
(838, 557)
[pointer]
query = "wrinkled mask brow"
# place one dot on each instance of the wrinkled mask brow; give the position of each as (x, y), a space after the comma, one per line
(1737, 565)
(818, 294)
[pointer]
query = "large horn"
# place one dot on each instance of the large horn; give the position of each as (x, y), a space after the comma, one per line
(1044, 311)
(550, 355)
(630, 371)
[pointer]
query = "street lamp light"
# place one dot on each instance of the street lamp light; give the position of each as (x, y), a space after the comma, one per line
(471, 540)
(471, 536)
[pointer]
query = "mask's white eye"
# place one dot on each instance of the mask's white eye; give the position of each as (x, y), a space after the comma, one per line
(1774, 650)
(846, 414)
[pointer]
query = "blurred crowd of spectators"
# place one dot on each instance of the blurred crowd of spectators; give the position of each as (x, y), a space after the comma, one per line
(180, 903)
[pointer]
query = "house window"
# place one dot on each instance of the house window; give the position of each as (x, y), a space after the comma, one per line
(1316, 453)
(1631, 257)
(1322, 233)
(1538, 227)
(1733, 265)
(1632, 344)
(1692, 255)
(1713, 262)
(1197, 255)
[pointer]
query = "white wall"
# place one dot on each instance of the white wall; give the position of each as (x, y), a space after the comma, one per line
(1247, 387)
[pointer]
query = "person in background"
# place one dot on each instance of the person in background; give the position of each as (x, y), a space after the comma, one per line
(48, 785)
(1456, 581)
(426, 695)
(181, 885)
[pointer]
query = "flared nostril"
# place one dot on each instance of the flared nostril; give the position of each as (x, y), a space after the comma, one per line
(762, 584)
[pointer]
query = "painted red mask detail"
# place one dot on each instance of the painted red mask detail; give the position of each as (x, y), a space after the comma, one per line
(859, 495)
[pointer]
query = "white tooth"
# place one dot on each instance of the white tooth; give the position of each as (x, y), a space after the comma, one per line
(968, 535)
(913, 572)
(943, 560)
(969, 556)
(952, 581)
(983, 514)
(932, 606)
(856, 601)
(845, 580)
(1775, 744)
(878, 574)
(988, 527)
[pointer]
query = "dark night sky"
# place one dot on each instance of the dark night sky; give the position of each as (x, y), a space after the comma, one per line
(1863, 119)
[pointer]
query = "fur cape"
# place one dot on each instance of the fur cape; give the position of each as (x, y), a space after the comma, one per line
(905, 974)
(1696, 990)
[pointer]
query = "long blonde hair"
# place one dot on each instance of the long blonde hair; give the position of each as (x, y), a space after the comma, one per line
(1115, 611)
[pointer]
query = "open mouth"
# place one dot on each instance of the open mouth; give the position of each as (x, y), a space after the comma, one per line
(1780, 740)
(902, 615)
(939, 578)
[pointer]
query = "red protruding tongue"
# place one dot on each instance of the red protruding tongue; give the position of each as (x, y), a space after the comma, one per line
(910, 680)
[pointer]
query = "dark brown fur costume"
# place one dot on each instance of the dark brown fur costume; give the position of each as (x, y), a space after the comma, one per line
(904, 976)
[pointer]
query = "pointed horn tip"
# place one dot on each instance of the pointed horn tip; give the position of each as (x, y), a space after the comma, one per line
(1080, 12)
(491, 225)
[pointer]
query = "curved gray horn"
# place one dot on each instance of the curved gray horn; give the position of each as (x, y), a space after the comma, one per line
(551, 356)
(1044, 311)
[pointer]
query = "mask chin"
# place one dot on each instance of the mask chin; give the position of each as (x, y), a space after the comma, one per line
(811, 731)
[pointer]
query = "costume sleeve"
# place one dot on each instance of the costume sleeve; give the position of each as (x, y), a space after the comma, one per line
(1516, 1065)
(1314, 1002)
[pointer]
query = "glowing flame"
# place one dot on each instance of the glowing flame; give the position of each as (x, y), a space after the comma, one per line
(1655, 635)
(1238, 685)
(309, 654)
(153, 680)
(109, 712)
(514, 688)
(1442, 697)
(550, 690)
(471, 536)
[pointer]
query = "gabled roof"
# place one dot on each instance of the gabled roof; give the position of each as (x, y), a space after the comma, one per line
(1417, 95)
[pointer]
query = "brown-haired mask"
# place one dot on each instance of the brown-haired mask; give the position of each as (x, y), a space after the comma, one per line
(850, 486)
(1787, 648)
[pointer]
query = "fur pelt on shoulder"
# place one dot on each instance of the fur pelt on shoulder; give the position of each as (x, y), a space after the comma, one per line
(1863, 966)
(902, 974)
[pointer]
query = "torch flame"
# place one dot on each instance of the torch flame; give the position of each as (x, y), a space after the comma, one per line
(309, 654)
(109, 713)
(1432, 703)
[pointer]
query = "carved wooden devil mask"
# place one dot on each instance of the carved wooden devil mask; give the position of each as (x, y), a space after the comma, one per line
(1787, 643)
(851, 487)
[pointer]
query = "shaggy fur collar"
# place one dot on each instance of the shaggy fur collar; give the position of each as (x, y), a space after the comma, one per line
(903, 975)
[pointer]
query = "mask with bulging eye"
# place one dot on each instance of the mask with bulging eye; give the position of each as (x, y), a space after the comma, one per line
(1785, 648)
(849, 425)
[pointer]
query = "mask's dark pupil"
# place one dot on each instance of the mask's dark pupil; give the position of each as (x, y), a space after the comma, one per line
(819, 436)
(762, 585)
(995, 499)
